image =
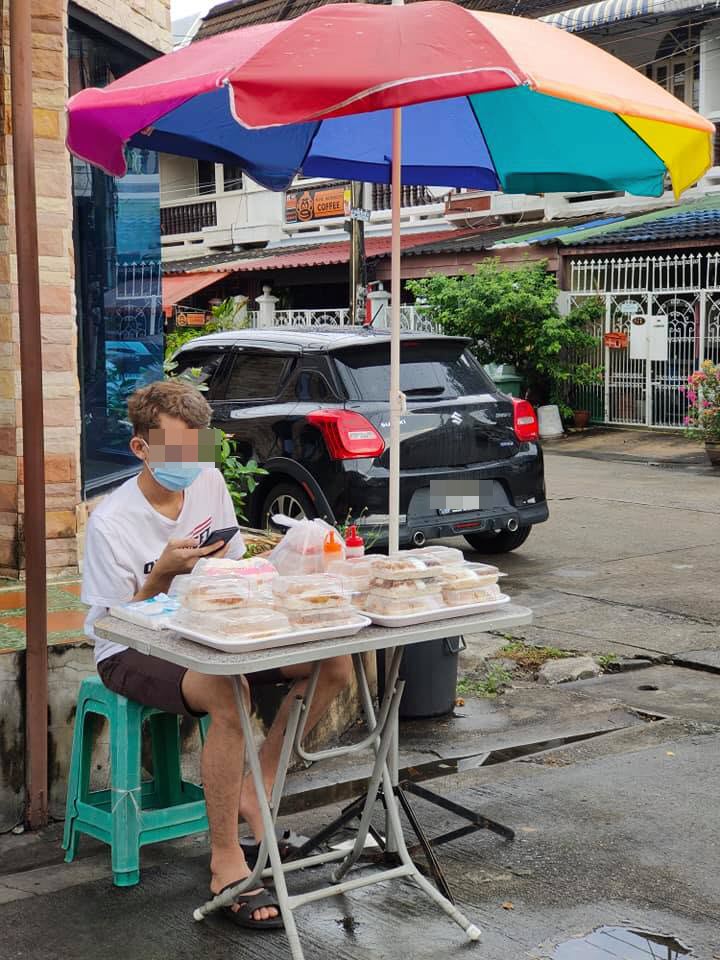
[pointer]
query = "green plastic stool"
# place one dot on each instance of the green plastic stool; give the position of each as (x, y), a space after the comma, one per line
(131, 813)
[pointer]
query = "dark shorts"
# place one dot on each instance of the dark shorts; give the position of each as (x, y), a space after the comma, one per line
(157, 683)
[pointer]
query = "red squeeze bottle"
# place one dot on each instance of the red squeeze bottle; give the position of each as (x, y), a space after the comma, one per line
(354, 543)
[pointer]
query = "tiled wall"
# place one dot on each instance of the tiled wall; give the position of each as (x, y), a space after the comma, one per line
(148, 20)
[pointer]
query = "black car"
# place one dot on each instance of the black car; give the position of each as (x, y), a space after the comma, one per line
(311, 406)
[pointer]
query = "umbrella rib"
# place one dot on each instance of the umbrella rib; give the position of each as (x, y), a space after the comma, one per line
(327, 112)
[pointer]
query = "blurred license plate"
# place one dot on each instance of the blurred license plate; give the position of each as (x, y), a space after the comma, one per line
(460, 494)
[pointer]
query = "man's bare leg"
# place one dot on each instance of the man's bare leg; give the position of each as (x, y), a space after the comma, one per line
(223, 763)
(335, 675)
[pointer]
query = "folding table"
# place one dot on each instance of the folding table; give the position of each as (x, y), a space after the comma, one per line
(382, 734)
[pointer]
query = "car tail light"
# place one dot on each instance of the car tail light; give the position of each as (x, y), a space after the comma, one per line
(525, 421)
(347, 435)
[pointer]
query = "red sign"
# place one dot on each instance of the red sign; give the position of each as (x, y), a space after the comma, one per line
(616, 340)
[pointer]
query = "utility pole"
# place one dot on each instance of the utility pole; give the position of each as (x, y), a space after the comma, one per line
(357, 251)
(26, 235)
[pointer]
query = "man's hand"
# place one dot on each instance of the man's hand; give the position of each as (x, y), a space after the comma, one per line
(178, 557)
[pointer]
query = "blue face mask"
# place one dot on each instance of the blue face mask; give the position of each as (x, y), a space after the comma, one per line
(176, 476)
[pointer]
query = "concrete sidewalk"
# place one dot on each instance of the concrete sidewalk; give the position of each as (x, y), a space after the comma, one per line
(631, 446)
(617, 827)
(609, 831)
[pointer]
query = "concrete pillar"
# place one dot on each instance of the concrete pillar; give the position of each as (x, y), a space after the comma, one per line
(379, 303)
(266, 309)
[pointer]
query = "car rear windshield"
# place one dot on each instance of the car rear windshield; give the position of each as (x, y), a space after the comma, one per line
(439, 370)
(202, 364)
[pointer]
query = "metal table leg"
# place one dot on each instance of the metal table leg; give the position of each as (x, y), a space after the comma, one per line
(389, 850)
(383, 733)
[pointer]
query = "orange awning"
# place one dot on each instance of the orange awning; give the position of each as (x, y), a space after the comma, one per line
(178, 287)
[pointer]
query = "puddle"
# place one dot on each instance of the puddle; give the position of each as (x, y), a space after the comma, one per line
(621, 943)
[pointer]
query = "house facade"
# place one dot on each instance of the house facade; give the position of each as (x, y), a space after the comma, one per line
(656, 273)
(676, 43)
(210, 211)
(97, 331)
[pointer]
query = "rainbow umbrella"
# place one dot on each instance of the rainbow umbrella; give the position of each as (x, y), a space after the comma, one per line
(490, 101)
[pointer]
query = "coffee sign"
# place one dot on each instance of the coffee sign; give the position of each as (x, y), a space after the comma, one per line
(302, 206)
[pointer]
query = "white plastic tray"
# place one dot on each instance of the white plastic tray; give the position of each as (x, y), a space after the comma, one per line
(229, 645)
(429, 616)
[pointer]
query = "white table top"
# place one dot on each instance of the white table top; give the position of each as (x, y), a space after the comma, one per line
(172, 647)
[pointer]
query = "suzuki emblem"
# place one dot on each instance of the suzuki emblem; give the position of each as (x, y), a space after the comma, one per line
(456, 418)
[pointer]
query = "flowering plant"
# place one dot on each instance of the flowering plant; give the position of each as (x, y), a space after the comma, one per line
(703, 396)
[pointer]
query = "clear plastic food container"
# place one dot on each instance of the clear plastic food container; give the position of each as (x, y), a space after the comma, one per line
(480, 594)
(354, 572)
(251, 624)
(310, 593)
(448, 556)
(254, 568)
(464, 578)
(401, 566)
(403, 588)
(215, 593)
(305, 619)
(485, 570)
(403, 606)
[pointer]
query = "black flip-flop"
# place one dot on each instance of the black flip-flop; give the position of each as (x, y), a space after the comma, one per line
(289, 843)
(249, 903)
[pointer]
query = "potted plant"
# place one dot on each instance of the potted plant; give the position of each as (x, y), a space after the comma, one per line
(581, 419)
(583, 376)
(703, 416)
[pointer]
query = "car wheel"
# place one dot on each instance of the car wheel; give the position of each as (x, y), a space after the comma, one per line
(502, 542)
(290, 500)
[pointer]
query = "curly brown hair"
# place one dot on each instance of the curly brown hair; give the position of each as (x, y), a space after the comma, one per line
(174, 399)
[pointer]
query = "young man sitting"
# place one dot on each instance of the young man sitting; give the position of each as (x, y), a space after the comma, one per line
(139, 538)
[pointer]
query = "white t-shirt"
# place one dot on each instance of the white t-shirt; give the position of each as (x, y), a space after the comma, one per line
(126, 535)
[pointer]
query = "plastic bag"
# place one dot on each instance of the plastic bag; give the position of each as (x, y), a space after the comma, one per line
(301, 549)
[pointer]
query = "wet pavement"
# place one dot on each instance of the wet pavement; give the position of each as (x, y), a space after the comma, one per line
(620, 830)
(610, 784)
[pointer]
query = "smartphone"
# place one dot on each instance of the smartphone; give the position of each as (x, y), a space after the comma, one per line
(221, 536)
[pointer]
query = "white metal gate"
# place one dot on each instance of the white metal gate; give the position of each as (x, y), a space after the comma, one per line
(685, 290)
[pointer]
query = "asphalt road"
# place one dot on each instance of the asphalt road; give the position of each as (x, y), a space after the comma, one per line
(620, 829)
(628, 562)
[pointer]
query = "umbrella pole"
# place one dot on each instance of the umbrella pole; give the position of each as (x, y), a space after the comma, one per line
(36, 656)
(397, 405)
(396, 398)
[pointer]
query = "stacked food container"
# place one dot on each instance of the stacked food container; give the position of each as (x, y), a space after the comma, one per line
(251, 607)
(432, 583)
(247, 604)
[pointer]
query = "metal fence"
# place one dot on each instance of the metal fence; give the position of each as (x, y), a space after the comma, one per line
(411, 319)
(681, 294)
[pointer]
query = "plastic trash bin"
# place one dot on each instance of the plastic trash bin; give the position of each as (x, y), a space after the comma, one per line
(505, 377)
(549, 422)
(430, 673)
